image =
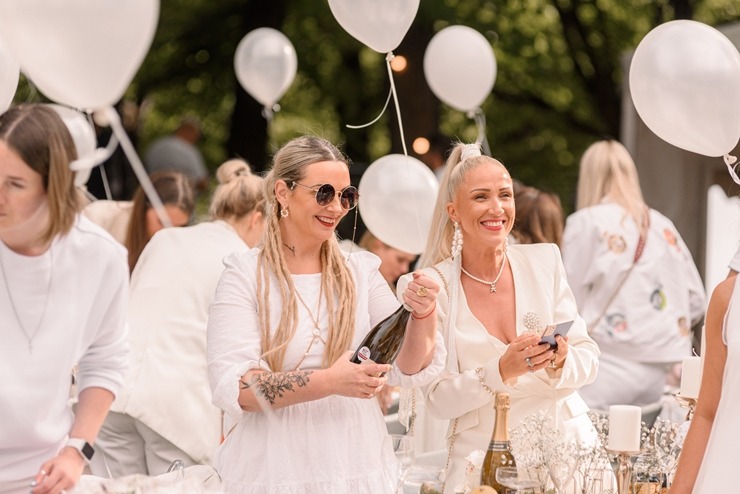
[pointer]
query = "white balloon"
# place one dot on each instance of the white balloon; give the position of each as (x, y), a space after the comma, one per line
(82, 53)
(9, 74)
(460, 67)
(397, 195)
(379, 24)
(83, 135)
(685, 83)
(265, 63)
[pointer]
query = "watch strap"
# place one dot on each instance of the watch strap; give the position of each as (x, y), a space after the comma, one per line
(83, 447)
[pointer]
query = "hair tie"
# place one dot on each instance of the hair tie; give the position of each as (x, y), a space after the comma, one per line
(470, 151)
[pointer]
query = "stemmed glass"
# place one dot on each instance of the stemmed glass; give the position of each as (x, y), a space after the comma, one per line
(561, 471)
(403, 447)
(522, 479)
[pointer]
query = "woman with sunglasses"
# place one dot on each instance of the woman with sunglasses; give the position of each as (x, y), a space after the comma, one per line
(284, 322)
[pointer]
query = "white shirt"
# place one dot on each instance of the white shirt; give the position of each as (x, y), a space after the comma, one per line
(735, 263)
(83, 322)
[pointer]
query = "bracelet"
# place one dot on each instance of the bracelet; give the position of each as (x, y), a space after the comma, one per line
(482, 380)
(434, 306)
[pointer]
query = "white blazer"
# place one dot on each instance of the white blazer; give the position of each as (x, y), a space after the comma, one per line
(542, 291)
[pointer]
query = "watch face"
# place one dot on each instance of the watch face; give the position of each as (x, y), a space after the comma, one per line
(88, 451)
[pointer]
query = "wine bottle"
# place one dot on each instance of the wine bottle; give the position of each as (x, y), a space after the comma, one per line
(383, 342)
(499, 449)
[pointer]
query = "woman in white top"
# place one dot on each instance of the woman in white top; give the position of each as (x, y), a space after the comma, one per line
(63, 291)
(164, 413)
(284, 322)
(633, 277)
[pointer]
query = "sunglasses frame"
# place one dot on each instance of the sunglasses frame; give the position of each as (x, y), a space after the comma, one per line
(318, 188)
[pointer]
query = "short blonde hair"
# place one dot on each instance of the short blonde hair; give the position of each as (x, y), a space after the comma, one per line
(41, 139)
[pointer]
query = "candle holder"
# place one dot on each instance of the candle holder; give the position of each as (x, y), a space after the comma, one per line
(623, 472)
(686, 402)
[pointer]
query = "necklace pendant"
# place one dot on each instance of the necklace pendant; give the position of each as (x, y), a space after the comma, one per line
(493, 287)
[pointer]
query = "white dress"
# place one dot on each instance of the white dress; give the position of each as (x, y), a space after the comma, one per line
(720, 458)
(335, 445)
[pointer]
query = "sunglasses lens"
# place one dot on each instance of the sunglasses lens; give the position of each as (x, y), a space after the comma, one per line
(325, 194)
(349, 197)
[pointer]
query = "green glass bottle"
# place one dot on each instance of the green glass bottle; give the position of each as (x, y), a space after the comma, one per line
(499, 449)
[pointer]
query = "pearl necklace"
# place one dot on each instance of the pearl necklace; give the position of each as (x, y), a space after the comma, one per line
(29, 338)
(491, 284)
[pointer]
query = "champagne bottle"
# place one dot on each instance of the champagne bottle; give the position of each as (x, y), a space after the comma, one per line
(499, 449)
(383, 342)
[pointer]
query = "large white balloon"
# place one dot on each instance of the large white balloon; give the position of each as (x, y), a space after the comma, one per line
(379, 24)
(460, 67)
(265, 63)
(9, 74)
(82, 53)
(397, 195)
(83, 135)
(685, 83)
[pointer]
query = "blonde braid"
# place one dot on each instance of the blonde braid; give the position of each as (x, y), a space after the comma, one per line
(337, 280)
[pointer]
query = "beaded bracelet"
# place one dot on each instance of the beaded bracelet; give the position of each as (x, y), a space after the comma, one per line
(434, 306)
(482, 380)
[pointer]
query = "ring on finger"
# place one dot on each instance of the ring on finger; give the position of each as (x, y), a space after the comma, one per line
(552, 364)
(529, 362)
(422, 291)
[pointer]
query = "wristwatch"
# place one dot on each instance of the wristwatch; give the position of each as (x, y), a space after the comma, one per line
(83, 447)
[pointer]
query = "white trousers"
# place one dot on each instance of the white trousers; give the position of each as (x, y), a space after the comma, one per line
(126, 446)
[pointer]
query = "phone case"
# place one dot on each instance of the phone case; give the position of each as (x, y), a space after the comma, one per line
(553, 330)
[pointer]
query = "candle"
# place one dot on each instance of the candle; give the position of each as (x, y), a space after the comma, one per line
(691, 377)
(624, 428)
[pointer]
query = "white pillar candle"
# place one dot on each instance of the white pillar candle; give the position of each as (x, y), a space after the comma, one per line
(624, 428)
(691, 377)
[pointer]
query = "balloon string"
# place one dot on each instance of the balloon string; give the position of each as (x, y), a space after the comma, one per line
(388, 59)
(731, 162)
(385, 106)
(114, 121)
(480, 122)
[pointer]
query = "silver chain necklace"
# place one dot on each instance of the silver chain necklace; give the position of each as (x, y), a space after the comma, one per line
(491, 284)
(316, 332)
(29, 338)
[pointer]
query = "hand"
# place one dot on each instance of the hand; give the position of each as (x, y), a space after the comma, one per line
(357, 380)
(523, 355)
(59, 474)
(421, 294)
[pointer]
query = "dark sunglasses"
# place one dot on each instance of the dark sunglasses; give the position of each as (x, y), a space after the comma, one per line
(325, 194)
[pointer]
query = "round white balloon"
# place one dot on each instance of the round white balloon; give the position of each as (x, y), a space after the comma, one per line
(397, 196)
(379, 24)
(83, 135)
(265, 63)
(9, 74)
(460, 67)
(685, 83)
(82, 53)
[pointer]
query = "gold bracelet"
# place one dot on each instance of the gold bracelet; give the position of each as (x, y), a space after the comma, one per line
(482, 380)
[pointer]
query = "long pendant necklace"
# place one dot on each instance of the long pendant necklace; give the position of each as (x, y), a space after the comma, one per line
(491, 284)
(316, 331)
(29, 337)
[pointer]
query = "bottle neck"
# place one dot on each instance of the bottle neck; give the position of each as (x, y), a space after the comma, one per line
(501, 426)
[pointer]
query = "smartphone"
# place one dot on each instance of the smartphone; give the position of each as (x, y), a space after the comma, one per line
(551, 331)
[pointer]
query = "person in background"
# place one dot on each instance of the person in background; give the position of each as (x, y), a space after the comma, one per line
(284, 322)
(492, 332)
(539, 216)
(393, 262)
(178, 152)
(134, 222)
(633, 277)
(63, 296)
(164, 412)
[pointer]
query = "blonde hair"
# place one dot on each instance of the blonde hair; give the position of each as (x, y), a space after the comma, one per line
(608, 171)
(41, 139)
(239, 191)
(337, 285)
(439, 242)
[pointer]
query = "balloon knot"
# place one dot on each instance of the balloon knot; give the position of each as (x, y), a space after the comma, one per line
(390, 56)
(730, 160)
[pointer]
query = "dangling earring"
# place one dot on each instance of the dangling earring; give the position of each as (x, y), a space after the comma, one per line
(457, 241)
(506, 245)
(284, 211)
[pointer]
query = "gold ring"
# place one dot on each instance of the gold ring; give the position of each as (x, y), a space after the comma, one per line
(552, 364)
(422, 291)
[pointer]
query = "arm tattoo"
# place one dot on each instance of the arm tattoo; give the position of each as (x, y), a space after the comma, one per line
(273, 385)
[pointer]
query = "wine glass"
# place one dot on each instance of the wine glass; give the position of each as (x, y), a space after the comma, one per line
(522, 479)
(561, 471)
(404, 449)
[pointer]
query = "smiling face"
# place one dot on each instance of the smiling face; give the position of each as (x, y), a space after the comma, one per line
(308, 222)
(23, 199)
(484, 206)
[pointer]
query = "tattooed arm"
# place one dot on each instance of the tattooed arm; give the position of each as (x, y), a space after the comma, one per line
(258, 389)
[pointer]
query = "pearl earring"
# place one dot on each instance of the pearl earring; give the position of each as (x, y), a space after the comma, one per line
(284, 211)
(457, 241)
